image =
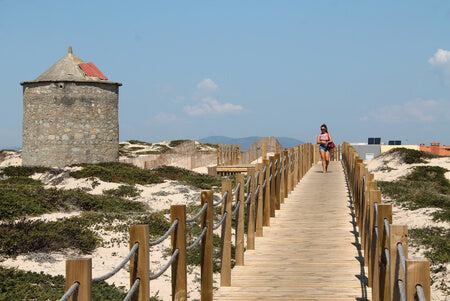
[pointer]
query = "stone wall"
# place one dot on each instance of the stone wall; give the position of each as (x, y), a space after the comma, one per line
(70, 122)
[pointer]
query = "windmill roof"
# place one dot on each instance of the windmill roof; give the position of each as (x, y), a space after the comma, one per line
(72, 68)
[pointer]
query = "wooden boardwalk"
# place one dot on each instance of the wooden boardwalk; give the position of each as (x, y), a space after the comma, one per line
(310, 251)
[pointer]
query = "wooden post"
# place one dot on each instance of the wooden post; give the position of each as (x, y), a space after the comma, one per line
(277, 181)
(80, 270)
(374, 197)
(140, 261)
(260, 209)
(417, 273)
(397, 234)
(281, 178)
(285, 174)
(264, 150)
(251, 211)
(384, 212)
(207, 247)
(178, 239)
(225, 271)
(240, 220)
(272, 187)
(266, 192)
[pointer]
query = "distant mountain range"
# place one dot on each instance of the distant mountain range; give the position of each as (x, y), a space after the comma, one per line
(247, 141)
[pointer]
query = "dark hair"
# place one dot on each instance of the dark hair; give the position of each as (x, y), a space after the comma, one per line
(324, 126)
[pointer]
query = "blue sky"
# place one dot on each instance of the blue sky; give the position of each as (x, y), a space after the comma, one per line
(192, 69)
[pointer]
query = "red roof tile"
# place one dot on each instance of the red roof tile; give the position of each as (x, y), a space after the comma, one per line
(91, 70)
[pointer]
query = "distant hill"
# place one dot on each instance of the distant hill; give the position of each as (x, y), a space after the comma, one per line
(247, 141)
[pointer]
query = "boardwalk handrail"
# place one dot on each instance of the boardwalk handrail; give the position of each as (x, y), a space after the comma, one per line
(259, 196)
(392, 276)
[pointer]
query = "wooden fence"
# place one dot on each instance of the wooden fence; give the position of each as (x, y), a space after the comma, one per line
(251, 202)
(391, 275)
(228, 154)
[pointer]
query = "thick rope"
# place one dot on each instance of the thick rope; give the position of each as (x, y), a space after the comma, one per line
(401, 290)
(174, 255)
(190, 220)
(236, 209)
(70, 291)
(401, 254)
(119, 267)
(248, 198)
(221, 221)
(159, 240)
(420, 293)
(248, 181)
(221, 200)
(197, 240)
(237, 189)
(132, 290)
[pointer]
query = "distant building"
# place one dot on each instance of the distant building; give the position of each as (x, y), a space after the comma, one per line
(436, 148)
(70, 115)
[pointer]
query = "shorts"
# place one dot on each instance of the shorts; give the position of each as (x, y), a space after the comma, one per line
(323, 147)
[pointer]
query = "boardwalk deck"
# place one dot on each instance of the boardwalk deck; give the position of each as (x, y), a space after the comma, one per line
(310, 251)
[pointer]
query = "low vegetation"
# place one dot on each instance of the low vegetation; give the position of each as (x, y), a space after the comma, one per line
(425, 187)
(436, 240)
(117, 173)
(175, 143)
(410, 156)
(21, 285)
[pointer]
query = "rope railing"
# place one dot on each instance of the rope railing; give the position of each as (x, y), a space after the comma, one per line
(119, 267)
(168, 232)
(196, 216)
(221, 200)
(266, 186)
(221, 221)
(70, 291)
(391, 275)
(168, 264)
(134, 288)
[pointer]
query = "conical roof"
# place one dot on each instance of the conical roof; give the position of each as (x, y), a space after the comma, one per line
(72, 68)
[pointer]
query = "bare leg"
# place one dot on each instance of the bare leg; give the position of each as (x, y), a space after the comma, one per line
(327, 159)
(324, 161)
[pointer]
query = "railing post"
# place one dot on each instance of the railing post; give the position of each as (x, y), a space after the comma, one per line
(277, 181)
(417, 273)
(179, 280)
(240, 218)
(207, 247)
(397, 234)
(266, 218)
(273, 203)
(285, 175)
(372, 255)
(384, 212)
(80, 270)
(260, 209)
(251, 211)
(225, 272)
(140, 261)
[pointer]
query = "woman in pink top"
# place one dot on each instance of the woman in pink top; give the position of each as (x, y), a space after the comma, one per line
(323, 139)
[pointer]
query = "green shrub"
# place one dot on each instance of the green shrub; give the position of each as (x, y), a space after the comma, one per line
(123, 191)
(21, 200)
(187, 176)
(410, 156)
(162, 148)
(20, 181)
(39, 236)
(139, 142)
(175, 143)
(117, 173)
(21, 285)
(24, 171)
(158, 224)
(425, 187)
(437, 239)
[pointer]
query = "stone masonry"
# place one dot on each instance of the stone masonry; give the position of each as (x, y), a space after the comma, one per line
(69, 121)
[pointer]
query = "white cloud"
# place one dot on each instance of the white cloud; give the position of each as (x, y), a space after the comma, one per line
(417, 110)
(165, 118)
(441, 63)
(207, 104)
(207, 86)
(211, 106)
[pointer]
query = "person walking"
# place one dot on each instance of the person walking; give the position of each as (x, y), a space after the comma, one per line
(324, 139)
